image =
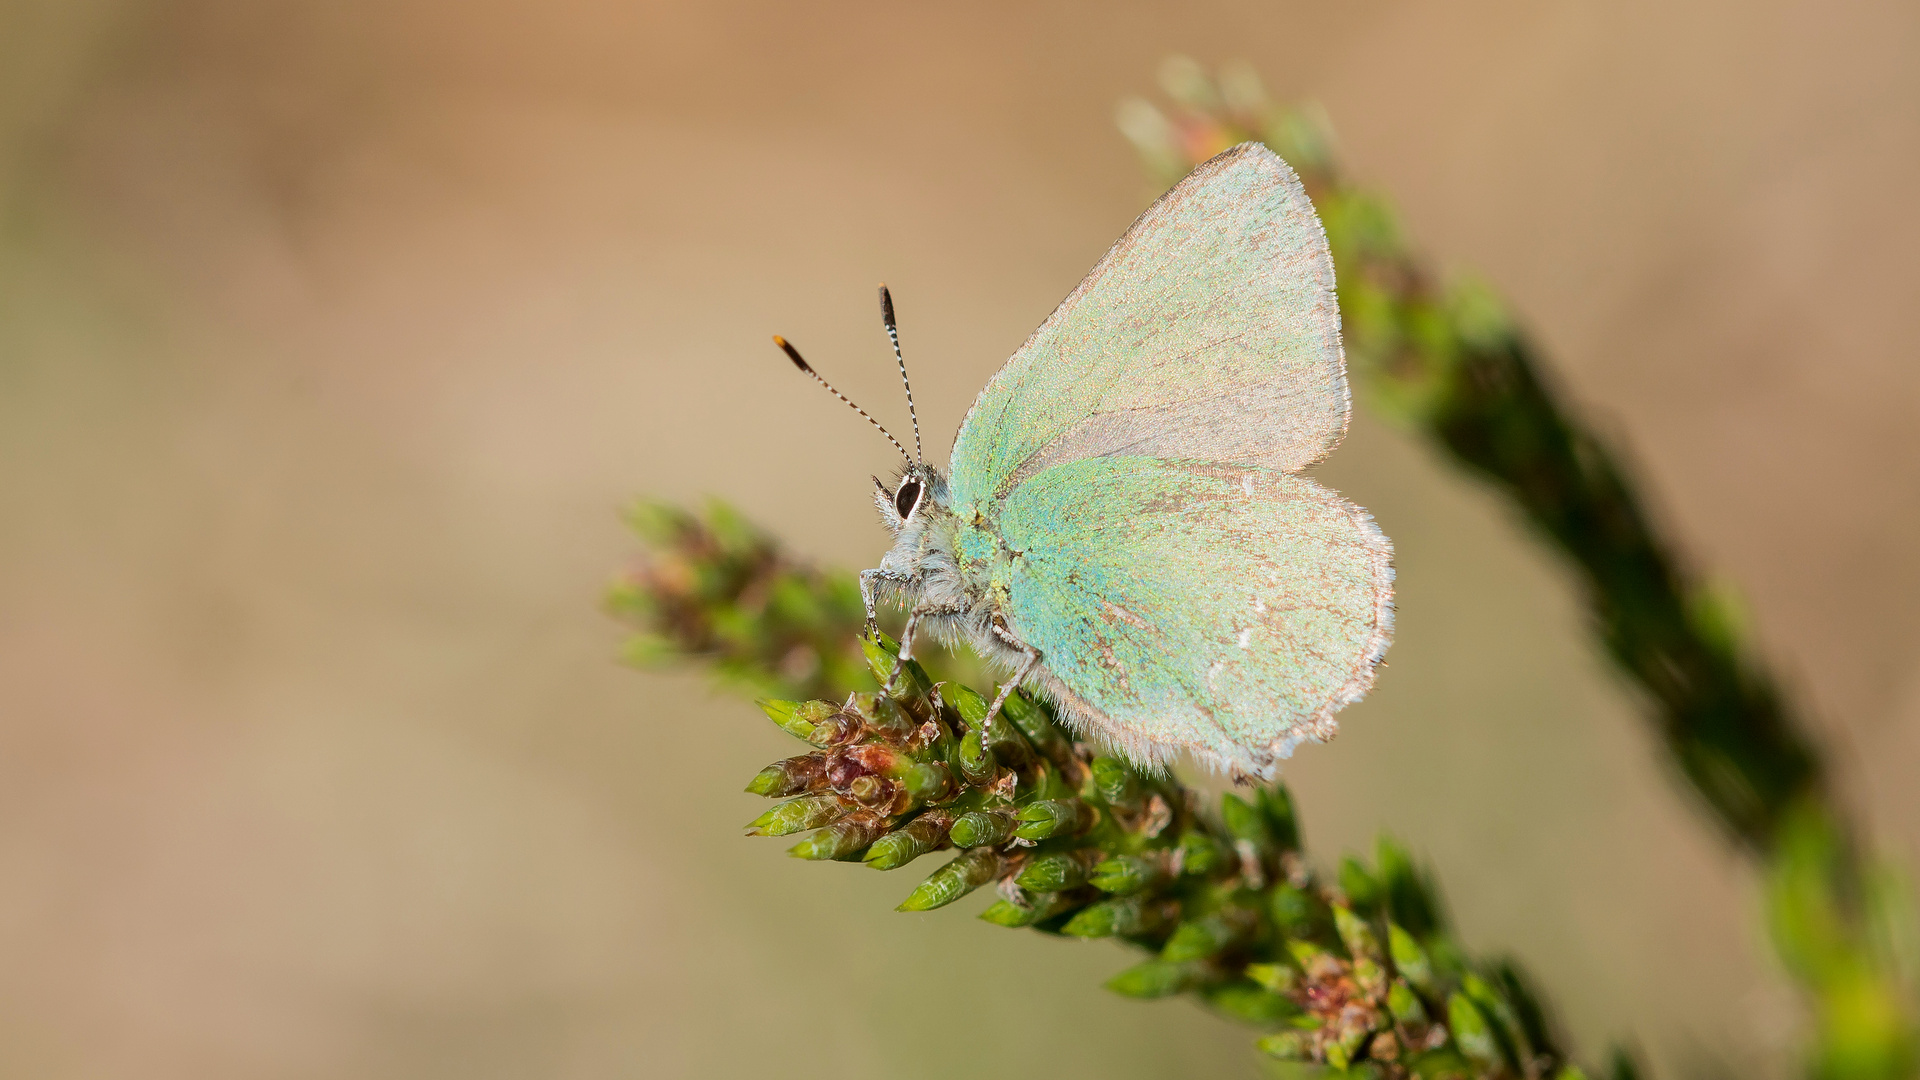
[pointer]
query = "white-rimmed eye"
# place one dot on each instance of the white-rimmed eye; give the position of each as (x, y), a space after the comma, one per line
(907, 498)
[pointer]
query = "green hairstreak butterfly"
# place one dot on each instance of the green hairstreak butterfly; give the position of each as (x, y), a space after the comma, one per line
(1123, 523)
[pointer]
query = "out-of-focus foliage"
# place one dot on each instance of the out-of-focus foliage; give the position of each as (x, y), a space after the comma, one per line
(1443, 359)
(714, 587)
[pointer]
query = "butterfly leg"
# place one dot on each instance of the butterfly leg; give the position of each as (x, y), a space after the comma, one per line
(1031, 656)
(867, 580)
(911, 631)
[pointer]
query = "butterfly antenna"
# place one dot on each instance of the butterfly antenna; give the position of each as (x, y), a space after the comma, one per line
(893, 335)
(793, 354)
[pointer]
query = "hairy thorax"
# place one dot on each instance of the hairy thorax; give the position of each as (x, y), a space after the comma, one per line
(962, 573)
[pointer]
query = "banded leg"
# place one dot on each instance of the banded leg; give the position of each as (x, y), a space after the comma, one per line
(1032, 657)
(908, 633)
(867, 578)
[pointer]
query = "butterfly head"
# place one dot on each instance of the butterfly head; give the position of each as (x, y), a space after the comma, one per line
(917, 495)
(915, 509)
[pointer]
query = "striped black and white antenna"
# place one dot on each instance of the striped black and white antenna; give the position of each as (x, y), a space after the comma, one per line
(893, 335)
(793, 354)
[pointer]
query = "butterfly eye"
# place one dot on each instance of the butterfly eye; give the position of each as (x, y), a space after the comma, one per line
(907, 498)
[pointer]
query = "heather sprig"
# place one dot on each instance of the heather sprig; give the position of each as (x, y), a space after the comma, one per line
(712, 586)
(1358, 971)
(1354, 971)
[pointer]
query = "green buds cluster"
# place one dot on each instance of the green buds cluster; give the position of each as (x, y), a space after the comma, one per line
(713, 586)
(1357, 973)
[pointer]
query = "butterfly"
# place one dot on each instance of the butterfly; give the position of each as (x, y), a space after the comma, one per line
(1122, 523)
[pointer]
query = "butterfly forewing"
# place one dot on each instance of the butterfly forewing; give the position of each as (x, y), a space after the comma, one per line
(1209, 332)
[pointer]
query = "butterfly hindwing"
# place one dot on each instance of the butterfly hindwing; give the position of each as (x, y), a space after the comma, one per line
(1209, 332)
(1224, 610)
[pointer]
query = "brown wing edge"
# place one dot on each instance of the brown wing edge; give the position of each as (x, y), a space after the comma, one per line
(1179, 192)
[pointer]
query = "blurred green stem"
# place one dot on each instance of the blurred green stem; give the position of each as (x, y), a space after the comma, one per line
(1444, 360)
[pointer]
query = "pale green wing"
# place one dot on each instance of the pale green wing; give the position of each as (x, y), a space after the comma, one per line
(1225, 610)
(1209, 332)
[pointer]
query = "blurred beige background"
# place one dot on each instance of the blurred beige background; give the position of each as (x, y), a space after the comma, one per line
(332, 336)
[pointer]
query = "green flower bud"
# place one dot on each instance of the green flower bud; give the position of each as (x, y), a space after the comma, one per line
(1341, 1049)
(1298, 913)
(1154, 979)
(1277, 804)
(970, 705)
(1315, 961)
(954, 880)
(795, 775)
(1410, 960)
(883, 715)
(1244, 822)
(1279, 978)
(1200, 938)
(1037, 727)
(799, 815)
(1039, 908)
(1357, 935)
(1250, 1003)
(930, 782)
(883, 655)
(1055, 817)
(982, 828)
(977, 766)
(1115, 783)
(844, 839)
(1471, 1033)
(1500, 1016)
(1288, 1046)
(1004, 741)
(1126, 874)
(1124, 916)
(928, 832)
(1051, 873)
(837, 729)
(1202, 855)
(797, 718)
(1362, 889)
(1405, 1005)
